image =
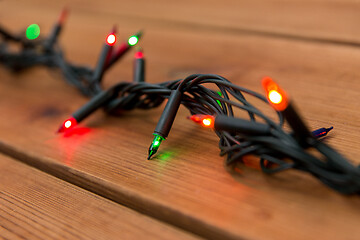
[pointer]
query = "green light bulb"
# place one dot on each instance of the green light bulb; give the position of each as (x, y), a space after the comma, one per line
(133, 40)
(155, 145)
(32, 31)
(219, 93)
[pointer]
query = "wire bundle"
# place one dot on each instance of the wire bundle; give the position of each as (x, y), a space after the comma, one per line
(258, 135)
(47, 52)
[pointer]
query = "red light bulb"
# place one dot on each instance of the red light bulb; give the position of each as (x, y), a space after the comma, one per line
(69, 123)
(139, 55)
(63, 15)
(111, 39)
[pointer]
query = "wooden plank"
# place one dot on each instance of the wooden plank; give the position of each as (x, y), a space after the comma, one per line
(321, 20)
(191, 188)
(34, 205)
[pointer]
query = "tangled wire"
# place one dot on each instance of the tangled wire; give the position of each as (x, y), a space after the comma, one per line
(258, 135)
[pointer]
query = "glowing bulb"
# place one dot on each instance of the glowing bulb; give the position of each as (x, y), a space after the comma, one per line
(155, 145)
(111, 39)
(275, 97)
(220, 94)
(206, 122)
(67, 124)
(32, 31)
(133, 40)
(139, 55)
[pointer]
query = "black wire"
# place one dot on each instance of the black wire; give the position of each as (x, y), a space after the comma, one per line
(278, 151)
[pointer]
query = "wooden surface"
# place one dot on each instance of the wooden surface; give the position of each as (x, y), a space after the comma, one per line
(34, 205)
(186, 185)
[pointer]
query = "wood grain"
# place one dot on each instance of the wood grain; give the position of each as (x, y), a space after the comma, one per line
(186, 184)
(332, 21)
(34, 205)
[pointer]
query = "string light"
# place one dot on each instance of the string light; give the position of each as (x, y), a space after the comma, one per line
(68, 124)
(32, 31)
(139, 66)
(225, 123)
(123, 49)
(133, 40)
(258, 135)
(276, 96)
(155, 145)
(205, 120)
(111, 39)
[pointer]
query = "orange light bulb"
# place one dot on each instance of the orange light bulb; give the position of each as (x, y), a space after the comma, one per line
(207, 122)
(204, 120)
(275, 95)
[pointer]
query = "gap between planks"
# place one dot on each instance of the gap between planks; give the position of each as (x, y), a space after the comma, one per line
(134, 201)
(35, 205)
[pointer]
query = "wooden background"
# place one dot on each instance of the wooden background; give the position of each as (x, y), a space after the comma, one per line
(97, 184)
